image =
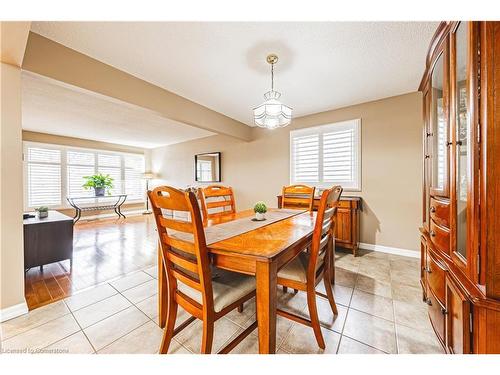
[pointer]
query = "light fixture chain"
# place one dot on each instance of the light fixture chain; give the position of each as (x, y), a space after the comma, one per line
(272, 77)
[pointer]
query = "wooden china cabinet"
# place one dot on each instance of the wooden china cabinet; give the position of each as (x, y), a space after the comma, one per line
(460, 234)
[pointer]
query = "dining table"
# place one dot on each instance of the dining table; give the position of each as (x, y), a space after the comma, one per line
(260, 252)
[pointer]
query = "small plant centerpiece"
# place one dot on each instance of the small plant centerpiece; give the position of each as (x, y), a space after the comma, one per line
(43, 212)
(260, 210)
(99, 183)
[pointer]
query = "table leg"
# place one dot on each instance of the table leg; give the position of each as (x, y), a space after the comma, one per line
(266, 275)
(162, 292)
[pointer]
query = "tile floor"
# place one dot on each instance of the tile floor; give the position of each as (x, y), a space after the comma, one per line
(378, 297)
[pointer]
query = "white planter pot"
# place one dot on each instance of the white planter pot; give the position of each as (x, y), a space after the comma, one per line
(259, 216)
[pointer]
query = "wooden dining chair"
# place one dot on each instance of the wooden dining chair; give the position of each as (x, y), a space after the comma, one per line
(192, 285)
(298, 197)
(306, 270)
(216, 197)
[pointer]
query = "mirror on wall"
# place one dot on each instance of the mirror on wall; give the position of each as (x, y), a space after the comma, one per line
(207, 167)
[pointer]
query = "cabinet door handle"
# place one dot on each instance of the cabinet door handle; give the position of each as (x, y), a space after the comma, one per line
(429, 302)
(433, 209)
(449, 143)
(427, 156)
(428, 269)
(432, 233)
(444, 311)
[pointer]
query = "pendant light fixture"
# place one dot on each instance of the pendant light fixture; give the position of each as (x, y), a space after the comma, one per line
(272, 113)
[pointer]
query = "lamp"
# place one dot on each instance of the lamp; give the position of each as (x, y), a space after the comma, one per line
(148, 176)
(272, 113)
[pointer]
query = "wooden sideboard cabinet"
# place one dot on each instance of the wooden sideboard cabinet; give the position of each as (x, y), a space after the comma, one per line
(346, 222)
(460, 233)
(48, 240)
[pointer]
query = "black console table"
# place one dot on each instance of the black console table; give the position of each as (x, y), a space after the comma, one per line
(116, 204)
(48, 240)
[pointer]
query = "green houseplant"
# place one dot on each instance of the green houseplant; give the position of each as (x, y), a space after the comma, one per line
(260, 210)
(99, 183)
(43, 211)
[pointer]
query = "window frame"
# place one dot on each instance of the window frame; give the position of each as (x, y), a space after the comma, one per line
(64, 170)
(321, 130)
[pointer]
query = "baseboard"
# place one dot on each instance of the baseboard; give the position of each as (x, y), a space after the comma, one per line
(105, 216)
(390, 250)
(13, 311)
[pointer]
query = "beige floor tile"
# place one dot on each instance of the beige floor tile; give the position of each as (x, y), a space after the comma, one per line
(398, 262)
(341, 293)
(141, 292)
(347, 264)
(110, 329)
(244, 318)
(345, 278)
(350, 346)
(372, 304)
(150, 306)
(371, 285)
(290, 301)
(301, 340)
(191, 336)
(363, 254)
(371, 330)
(77, 343)
(42, 336)
(412, 315)
(405, 276)
(381, 274)
(101, 310)
(130, 280)
(250, 345)
(145, 339)
(90, 296)
(152, 271)
(326, 317)
(407, 293)
(379, 263)
(411, 341)
(33, 319)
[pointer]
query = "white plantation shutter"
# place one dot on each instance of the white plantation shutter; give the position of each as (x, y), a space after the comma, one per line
(305, 154)
(44, 177)
(327, 155)
(79, 165)
(55, 172)
(134, 184)
(111, 164)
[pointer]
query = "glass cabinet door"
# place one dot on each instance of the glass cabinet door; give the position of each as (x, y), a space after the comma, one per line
(439, 125)
(462, 137)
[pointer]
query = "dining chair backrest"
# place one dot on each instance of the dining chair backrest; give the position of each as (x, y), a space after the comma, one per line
(324, 230)
(219, 198)
(298, 197)
(183, 245)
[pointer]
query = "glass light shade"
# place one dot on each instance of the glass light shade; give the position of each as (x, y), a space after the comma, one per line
(272, 113)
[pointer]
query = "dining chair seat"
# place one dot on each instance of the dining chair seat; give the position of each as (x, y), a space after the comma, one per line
(296, 270)
(228, 287)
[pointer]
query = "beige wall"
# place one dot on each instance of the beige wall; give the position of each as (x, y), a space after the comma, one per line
(391, 165)
(11, 192)
(86, 143)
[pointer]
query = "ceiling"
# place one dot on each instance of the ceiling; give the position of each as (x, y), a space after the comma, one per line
(49, 106)
(222, 66)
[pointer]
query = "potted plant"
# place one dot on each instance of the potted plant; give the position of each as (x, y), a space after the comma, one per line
(43, 212)
(99, 183)
(260, 210)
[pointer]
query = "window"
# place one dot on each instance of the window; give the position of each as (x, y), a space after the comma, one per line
(56, 172)
(327, 155)
(204, 171)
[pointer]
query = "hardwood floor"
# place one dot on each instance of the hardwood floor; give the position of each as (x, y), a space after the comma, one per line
(102, 250)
